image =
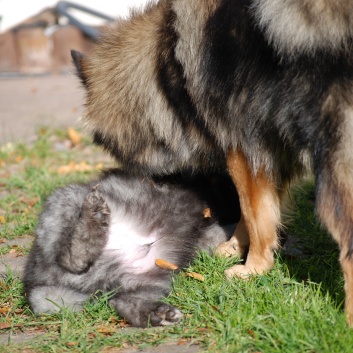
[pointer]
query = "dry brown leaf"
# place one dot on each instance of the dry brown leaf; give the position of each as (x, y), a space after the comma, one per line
(65, 169)
(30, 201)
(72, 344)
(105, 330)
(2, 241)
(42, 131)
(4, 325)
(203, 329)
(215, 308)
(19, 311)
(251, 333)
(83, 167)
(195, 275)
(207, 213)
(4, 310)
(113, 319)
(18, 159)
(165, 264)
(3, 285)
(182, 342)
(73, 167)
(74, 136)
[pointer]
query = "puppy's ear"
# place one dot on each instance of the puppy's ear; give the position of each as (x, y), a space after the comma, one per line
(78, 60)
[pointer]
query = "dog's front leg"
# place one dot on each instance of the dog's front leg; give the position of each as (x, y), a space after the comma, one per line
(260, 205)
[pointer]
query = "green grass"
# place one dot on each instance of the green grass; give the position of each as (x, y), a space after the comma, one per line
(297, 307)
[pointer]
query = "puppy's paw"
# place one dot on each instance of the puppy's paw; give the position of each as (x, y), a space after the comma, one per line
(165, 315)
(96, 207)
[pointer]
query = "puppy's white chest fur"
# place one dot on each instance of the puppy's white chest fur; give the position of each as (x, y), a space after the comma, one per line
(134, 249)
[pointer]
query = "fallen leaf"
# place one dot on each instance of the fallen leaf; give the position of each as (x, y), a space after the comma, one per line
(3, 285)
(30, 201)
(182, 342)
(83, 167)
(73, 167)
(215, 308)
(2, 241)
(18, 159)
(195, 275)
(65, 169)
(105, 330)
(119, 322)
(42, 131)
(4, 310)
(2, 220)
(165, 264)
(251, 333)
(4, 325)
(72, 344)
(203, 329)
(19, 311)
(74, 136)
(207, 213)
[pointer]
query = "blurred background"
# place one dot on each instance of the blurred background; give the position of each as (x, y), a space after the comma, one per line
(37, 82)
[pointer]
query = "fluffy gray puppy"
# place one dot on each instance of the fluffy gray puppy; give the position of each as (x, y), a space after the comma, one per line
(106, 235)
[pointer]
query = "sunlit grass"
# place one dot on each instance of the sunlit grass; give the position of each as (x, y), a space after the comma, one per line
(297, 307)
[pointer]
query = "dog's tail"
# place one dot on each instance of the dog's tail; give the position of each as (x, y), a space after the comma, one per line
(296, 27)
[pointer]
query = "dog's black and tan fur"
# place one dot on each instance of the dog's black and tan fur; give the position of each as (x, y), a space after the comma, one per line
(264, 87)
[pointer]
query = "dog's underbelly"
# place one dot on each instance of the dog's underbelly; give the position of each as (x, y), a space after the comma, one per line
(132, 249)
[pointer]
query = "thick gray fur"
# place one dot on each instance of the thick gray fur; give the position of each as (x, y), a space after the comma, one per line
(72, 257)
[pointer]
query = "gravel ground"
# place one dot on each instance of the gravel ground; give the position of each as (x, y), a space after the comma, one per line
(28, 103)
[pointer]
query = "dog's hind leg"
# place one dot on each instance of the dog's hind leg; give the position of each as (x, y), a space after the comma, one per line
(260, 206)
(335, 208)
(346, 260)
(334, 186)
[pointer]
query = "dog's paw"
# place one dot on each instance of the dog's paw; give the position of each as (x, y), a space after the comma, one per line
(165, 315)
(239, 271)
(246, 271)
(229, 248)
(97, 207)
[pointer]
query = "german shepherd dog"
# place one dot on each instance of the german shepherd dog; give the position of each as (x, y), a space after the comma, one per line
(263, 88)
